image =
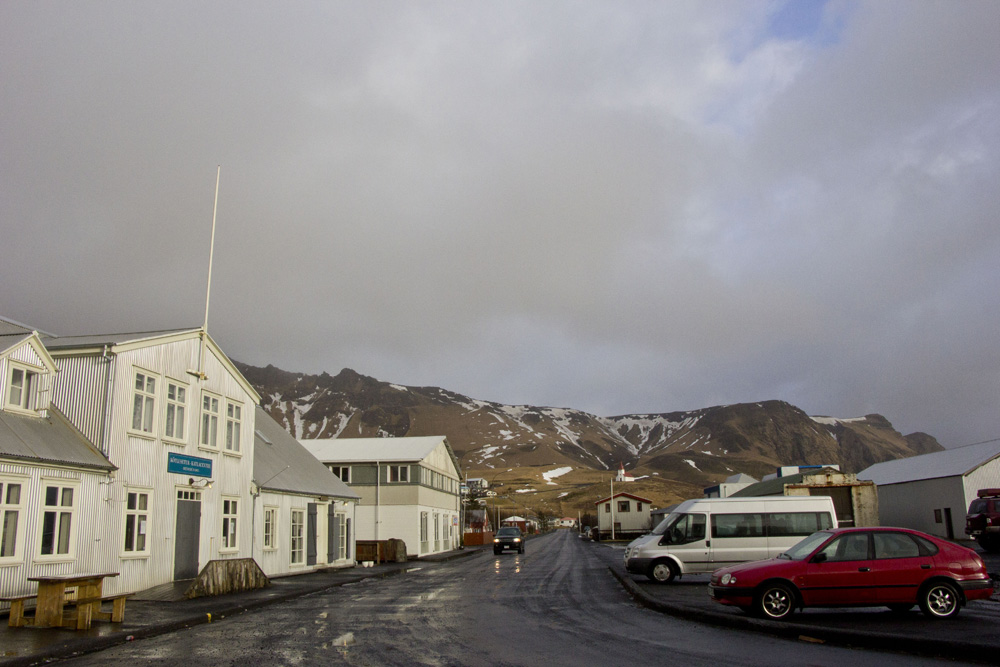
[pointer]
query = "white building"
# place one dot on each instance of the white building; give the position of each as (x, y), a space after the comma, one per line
(932, 492)
(627, 513)
(409, 488)
(732, 484)
(135, 453)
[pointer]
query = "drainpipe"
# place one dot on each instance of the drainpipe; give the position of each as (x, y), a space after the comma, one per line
(378, 489)
(105, 445)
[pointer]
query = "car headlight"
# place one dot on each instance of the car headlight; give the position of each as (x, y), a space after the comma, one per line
(728, 579)
(496, 540)
(517, 539)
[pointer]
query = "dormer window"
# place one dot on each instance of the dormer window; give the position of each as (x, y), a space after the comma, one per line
(20, 388)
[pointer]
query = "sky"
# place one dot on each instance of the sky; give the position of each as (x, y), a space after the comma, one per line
(619, 207)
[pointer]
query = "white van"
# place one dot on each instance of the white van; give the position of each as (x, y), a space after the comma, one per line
(704, 534)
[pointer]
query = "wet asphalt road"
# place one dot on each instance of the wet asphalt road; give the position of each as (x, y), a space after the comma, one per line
(555, 605)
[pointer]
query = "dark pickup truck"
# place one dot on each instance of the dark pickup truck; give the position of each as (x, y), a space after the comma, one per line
(982, 523)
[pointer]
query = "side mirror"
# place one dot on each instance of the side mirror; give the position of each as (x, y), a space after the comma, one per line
(820, 557)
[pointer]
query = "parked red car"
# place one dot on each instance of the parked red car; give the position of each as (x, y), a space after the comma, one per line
(857, 567)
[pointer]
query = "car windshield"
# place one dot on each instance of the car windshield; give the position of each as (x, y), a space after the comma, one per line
(801, 550)
(509, 532)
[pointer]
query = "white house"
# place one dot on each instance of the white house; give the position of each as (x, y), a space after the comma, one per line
(409, 488)
(627, 513)
(932, 492)
(147, 466)
(50, 474)
(732, 484)
(304, 513)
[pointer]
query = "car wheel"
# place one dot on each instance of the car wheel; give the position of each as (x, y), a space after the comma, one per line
(662, 572)
(900, 607)
(940, 600)
(775, 601)
(521, 550)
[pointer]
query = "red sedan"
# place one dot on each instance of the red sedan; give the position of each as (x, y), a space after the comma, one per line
(857, 567)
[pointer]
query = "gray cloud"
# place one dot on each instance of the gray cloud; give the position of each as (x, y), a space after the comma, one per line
(618, 207)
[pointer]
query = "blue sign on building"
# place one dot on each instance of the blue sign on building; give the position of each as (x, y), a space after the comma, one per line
(183, 464)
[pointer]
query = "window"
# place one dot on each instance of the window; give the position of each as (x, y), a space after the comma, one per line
(638, 506)
(683, 529)
(270, 526)
(20, 385)
(143, 400)
(343, 472)
(10, 516)
(738, 525)
(209, 421)
(136, 521)
(298, 536)
(341, 520)
(607, 508)
(176, 411)
(234, 421)
(852, 546)
(230, 515)
(399, 473)
(424, 547)
(897, 545)
(624, 506)
(57, 520)
(937, 516)
(797, 524)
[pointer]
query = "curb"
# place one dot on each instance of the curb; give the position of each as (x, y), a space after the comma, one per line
(921, 646)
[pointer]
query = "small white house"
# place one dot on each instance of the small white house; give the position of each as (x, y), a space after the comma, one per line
(409, 488)
(932, 492)
(304, 513)
(628, 514)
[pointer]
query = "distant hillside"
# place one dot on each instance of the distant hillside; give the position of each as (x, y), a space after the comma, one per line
(676, 452)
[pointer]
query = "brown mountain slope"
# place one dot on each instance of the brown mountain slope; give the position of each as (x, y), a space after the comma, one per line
(674, 454)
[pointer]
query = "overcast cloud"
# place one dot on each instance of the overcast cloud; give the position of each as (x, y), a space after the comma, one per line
(614, 206)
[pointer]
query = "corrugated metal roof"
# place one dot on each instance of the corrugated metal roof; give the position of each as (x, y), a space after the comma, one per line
(66, 342)
(49, 439)
(280, 463)
(349, 450)
(949, 463)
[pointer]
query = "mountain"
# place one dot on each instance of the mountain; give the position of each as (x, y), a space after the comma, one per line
(673, 454)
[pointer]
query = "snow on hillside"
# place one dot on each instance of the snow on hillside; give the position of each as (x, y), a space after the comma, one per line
(558, 472)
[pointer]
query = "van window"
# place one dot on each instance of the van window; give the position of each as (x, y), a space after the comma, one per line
(738, 525)
(797, 524)
(682, 528)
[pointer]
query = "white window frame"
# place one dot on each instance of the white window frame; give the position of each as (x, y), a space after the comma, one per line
(400, 472)
(26, 392)
(341, 520)
(229, 535)
(234, 427)
(10, 508)
(145, 409)
(60, 515)
(297, 545)
(141, 521)
(175, 411)
(270, 538)
(208, 429)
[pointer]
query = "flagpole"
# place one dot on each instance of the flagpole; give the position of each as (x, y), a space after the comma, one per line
(211, 247)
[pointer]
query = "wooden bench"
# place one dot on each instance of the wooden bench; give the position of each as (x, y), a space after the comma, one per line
(82, 611)
(17, 618)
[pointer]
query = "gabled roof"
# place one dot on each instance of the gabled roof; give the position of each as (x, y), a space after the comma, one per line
(48, 440)
(955, 462)
(123, 342)
(280, 463)
(14, 334)
(383, 450)
(627, 495)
